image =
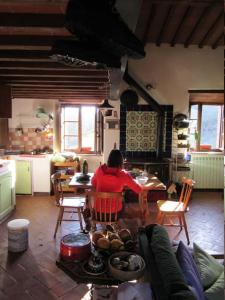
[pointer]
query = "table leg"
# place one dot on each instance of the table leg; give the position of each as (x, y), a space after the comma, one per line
(143, 202)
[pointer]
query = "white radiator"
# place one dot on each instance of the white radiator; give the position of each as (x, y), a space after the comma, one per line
(208, 171)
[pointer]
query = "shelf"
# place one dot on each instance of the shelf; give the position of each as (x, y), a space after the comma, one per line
(65, 164)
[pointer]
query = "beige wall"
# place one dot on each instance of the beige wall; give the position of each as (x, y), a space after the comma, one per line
(24, 110)
(172, 71)
(175, 70)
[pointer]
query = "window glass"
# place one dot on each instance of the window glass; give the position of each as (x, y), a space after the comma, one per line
(194, 112)
(71, 128)
(88, 127)
(71, 142)
(71, 113)
(210, 127)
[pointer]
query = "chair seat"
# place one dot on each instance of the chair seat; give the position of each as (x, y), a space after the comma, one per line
(73, 202)
(170, 206)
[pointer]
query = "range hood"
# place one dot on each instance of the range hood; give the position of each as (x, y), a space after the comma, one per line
(101, 37)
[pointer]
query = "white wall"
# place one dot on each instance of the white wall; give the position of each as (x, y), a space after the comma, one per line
(111, 136)
(24, 110)
(175, 70)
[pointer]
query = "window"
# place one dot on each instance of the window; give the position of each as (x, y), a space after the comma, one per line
(206, 127)
(81, 129)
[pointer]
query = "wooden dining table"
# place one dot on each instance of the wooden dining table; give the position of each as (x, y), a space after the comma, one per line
(153, 183)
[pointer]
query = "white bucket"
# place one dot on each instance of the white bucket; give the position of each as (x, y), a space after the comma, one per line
(18, 235)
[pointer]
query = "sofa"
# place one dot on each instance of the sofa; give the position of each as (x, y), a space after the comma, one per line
(180, 275)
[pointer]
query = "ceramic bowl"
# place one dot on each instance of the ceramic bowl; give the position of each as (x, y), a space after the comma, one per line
(142, 179)
(126, 275)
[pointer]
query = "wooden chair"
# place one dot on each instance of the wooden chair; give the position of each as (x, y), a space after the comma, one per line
(177, 209)
(74, 204)
(105, 202)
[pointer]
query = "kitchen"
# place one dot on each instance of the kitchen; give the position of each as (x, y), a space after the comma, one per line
(35, 89)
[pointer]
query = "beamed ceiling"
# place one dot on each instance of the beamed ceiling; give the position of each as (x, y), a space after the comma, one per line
(28, 30)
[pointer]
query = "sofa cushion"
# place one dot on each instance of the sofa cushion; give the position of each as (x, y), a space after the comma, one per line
(209, 268)
(190, 270)
(216, 291)
(165, 275)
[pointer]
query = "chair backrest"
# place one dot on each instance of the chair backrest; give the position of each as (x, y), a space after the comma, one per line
(104, 206)
(187, 187)
(57, 186)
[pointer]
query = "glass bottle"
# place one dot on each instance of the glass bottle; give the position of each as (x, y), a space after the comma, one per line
(85, 167)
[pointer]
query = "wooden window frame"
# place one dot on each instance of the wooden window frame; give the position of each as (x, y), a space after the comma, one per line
(199, 124)
(98, 133)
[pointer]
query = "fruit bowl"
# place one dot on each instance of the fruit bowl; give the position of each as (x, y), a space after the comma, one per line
(130, 266)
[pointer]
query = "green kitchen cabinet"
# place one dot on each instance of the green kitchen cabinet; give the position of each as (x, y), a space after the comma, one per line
(6, 194)
(23, 177)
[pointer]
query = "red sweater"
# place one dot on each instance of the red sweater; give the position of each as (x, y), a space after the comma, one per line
(111, 180)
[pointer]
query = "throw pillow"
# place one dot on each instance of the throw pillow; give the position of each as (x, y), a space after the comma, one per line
(216, 291)
(190, 270)
(209, 268)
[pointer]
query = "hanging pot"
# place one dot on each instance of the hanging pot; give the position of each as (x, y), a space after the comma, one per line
(129, 97)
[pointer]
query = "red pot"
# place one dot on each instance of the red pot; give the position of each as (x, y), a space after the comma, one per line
(75, 247)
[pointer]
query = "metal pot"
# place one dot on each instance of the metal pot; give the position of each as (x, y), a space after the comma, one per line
(75, 247)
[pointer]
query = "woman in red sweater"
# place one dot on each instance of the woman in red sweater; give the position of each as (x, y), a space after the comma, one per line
(112, 178)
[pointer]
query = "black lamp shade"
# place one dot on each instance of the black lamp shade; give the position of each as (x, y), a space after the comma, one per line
(105, 105)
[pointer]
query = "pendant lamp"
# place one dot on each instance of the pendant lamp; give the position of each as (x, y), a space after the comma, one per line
(105, 105)
(106, 108)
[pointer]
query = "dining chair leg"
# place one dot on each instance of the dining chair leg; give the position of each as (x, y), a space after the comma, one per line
(185, 228)
(80, 218)
(180, 221)
(59, 219)
(93, 226)
(158, 217)
(61, 216)
(162, 219)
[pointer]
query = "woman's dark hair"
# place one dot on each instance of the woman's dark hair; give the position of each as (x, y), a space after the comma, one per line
(115, 159)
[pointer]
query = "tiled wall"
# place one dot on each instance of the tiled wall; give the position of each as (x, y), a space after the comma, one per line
(138, 132)
(30, 140)
(141, 127)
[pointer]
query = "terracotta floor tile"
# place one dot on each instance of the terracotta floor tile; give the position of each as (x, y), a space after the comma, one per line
(34, 275)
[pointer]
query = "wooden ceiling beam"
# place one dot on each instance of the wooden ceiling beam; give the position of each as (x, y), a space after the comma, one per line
(38, 31)
(16, 59)
(63, 90)
(186, 14)
(49, 65)
(145, 20)
(55, 73)
(204, 13)
(36, 7)
(211, 29)
(164, 25)
(60, 85)
(32, 20)
(62, 94)
(217, 41)
(188, 2)
(24, 54)
(149, 23)
(54, 80)
(57, 97)
(29, 40)
(25, 47)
